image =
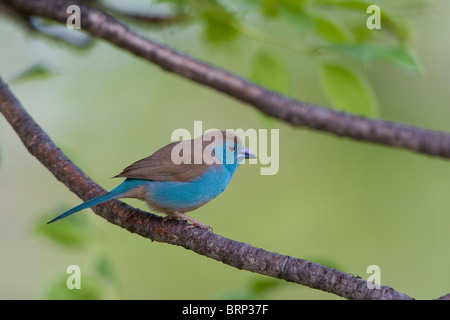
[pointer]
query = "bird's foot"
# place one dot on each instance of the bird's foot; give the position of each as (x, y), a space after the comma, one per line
(194, 223)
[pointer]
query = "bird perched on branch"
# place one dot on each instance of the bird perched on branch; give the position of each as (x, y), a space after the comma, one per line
(179, 177)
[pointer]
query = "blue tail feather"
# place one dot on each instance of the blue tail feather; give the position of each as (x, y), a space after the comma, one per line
(126, 186)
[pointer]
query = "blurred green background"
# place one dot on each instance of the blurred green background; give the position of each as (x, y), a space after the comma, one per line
(334, 201)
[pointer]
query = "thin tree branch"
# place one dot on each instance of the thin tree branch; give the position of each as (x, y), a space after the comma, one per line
(292, 111)
(237, 254)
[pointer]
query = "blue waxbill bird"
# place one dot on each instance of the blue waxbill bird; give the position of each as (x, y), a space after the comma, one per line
(180, 177)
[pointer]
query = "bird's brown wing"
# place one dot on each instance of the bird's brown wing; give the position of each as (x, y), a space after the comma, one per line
(159, 166)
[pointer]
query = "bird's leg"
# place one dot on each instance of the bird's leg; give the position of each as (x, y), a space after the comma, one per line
(194, 222)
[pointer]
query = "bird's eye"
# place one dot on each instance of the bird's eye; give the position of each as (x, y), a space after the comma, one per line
(232, 148)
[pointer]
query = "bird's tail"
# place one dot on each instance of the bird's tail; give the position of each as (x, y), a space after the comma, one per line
(124, 187)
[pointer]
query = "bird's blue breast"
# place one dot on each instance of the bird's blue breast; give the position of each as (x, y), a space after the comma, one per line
(171, 196)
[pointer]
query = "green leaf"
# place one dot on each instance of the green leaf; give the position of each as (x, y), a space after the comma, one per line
(220, 24)
(37, 71)
(71, 232)
(268, 70)
(264, 285)
(402, 57)
(104, 268)
(90, 289)
(330, 30)
(348, 90)
(399, 55)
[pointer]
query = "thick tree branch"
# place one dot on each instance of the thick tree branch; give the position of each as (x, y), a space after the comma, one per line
(237, 254)
(292, 111)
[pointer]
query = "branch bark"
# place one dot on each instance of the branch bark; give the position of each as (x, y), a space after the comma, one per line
(284, 108)
(237, 254)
